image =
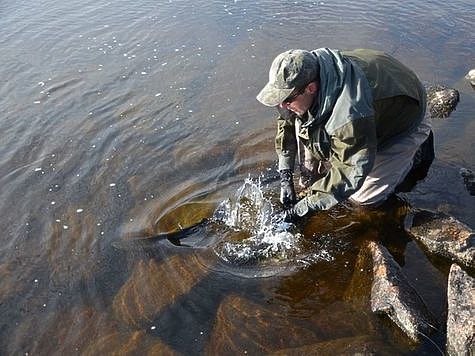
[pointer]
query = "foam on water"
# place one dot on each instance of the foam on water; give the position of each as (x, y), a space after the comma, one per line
(251, 213)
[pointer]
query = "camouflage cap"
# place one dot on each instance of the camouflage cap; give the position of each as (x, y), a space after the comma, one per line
(290, 70)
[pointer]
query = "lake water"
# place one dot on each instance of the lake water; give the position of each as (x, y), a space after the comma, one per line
(124, 119)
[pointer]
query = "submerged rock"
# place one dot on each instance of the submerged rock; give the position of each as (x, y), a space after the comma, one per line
(342, 320)
(153, 286)
(245, 327)
(441, 101)
(359, 289)
(443, 235)
(359, 345)
(135, 343)
(468, 179)
(461, 313)
(391, 294)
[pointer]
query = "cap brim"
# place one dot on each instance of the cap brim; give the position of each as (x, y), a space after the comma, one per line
(271, 96)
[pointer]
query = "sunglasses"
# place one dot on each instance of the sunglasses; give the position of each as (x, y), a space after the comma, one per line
(293, 96)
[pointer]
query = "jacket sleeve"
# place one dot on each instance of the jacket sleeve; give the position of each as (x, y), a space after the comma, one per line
(285, 140)
(353, 150)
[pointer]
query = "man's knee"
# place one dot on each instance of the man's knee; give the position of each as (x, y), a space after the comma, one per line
(422, 161)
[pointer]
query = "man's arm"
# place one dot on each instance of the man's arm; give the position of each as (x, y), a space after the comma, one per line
(353, 149)
(285, 140)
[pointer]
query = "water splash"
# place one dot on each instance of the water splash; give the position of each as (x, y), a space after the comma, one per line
(262, 233)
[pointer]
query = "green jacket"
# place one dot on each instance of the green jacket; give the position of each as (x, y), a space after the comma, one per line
(377, 100)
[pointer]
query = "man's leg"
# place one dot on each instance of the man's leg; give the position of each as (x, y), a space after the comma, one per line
(421, 164)
(391, 167)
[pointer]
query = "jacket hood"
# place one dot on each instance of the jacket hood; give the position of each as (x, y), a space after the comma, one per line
(343, 90)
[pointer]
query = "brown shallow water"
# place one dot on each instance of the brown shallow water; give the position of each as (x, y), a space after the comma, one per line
(122, 119)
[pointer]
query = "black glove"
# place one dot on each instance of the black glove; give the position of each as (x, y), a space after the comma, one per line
(289, 215)
(287, 191)
(296, 212)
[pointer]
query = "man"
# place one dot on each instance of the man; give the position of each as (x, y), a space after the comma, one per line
(355, 121)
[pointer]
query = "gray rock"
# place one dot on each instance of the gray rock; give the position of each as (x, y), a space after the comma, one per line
(443, 235)
(441, 101)
(391, 294)
(468, 179)
(461, 313)
(471, 76)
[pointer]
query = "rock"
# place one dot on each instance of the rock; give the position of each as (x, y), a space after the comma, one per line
(468, 179)
(461, 313)
(245, 327)
(359, 289)
(135, 343)
(153, 286)
(443, 235)
(342, 320)
(391, 294)
(360, 345)
(441, 101)
(471, 76)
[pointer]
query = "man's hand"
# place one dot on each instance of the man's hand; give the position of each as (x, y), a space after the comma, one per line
(296, 212)
(287, 191)
(289, 216)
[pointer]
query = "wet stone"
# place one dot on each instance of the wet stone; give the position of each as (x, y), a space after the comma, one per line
(443, 235)
(134, 343)
(245, 327)
(461, 312)
(470, 76)
(153, 286)
(441, 101)
(468, 179)
(392, 295)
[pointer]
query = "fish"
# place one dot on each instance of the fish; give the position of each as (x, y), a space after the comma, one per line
(175, 237)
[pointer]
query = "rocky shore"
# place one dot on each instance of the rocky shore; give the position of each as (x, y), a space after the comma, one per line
(393, 296)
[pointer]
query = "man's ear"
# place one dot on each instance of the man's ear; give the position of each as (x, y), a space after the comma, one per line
(312, 87)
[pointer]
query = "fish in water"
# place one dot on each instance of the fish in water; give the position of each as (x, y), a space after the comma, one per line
(441, 100)
(175, 237)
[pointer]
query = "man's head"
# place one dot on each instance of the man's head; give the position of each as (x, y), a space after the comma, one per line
(293, 81)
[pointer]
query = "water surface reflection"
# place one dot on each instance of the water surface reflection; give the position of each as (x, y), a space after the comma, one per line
(123, 119)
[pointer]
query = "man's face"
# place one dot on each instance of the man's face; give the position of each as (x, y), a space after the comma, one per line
(300, 104)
